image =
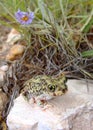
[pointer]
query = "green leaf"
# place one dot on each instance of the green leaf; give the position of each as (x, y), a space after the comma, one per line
(43, 8)
(87, 53)
(88, 23)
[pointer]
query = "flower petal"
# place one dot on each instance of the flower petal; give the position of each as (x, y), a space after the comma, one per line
(24, 17)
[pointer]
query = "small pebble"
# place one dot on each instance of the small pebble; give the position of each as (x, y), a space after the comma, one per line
(4, 68)
(2, 76)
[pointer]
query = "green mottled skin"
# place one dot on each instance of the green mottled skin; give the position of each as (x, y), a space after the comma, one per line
(44, 87)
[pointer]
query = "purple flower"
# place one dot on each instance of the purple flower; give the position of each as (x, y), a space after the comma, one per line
(24, 18)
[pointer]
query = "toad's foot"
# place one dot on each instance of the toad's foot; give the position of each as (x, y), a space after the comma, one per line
(48, 106)
(44, 104)
(41, 103)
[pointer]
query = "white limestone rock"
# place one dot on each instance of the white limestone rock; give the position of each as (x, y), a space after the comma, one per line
(13, 37)
(72, 111)
(4, 68)
(2, 76)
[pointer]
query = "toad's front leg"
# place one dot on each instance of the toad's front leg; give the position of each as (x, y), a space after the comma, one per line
(44, 104)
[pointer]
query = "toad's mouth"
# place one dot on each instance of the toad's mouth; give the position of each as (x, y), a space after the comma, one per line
(58, 93)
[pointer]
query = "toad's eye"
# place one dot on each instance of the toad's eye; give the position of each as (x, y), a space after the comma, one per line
(51, 87)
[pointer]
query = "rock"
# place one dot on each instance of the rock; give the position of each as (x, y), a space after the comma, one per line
(5, 48)
(3, 65)
(4, 68)
(16, 50)
(3, 101)
(13, 37)
(72, 111)
(2, 79)
(2, 76)
(10, 57)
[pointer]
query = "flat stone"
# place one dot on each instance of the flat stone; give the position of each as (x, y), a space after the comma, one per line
(13, 37)
(15, 50)
(3, 101)
(2, 76)
(4, 68)
(72, 111)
